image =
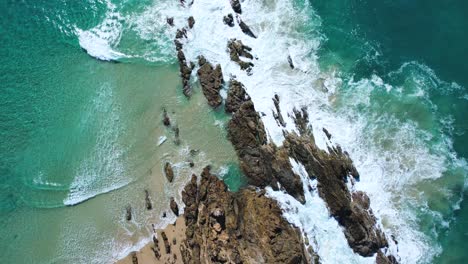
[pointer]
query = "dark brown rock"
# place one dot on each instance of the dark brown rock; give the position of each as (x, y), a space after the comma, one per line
(134, 258)
(291, 64)
(169, 172)
(236, 50)
(174, 206)
(243, 227)
(170, 21)
(229, 20)
(246, 29)
(167, 246)
(236, 6)
(327, 133)
(185, 73)
(236, 96)
(384, 259)
(148, 203)
(264, 164)
(211, 80)
(332, 169)
(278, 116)
(191, 22)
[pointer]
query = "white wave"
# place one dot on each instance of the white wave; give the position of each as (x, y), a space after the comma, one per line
(313, 218)
(100, 41)
(103, 170)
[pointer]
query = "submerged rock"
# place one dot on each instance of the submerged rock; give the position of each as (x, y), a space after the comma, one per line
(148, 203)
(128, 213)
(166, 120)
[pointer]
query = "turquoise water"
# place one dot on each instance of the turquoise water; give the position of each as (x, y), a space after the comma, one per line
(419, 46)
(73, 127)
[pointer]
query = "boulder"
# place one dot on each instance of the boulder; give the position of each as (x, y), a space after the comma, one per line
(174, 206)
(229, 20)
(169, 172)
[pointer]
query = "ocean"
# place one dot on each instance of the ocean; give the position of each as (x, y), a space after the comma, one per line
(84, 85)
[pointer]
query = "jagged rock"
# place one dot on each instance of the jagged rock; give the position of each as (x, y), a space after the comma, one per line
(383, 259)
(246, 29)
(236, 96)
(243, 227)
(156, 249)
(181, 33)
(170, 21)
(185, 73)
(229, 20)
(191, 22)
(291, 64)
(148, 203)
(278, 116)
(128, 213)
(236, 50)
(211, 80)
(236, 6)
(332, 169)
(174, 206)
(169, 171)
(167, 246)
(166, 120)
(327, 133)
(263, 164)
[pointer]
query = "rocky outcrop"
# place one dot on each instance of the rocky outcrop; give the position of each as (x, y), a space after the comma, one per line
(185, 67)
(236, 6)
(264, 164)
(278, 116)
(244, 227)
(236, 96)
(332, 170)
(246, 29)
(211, 80)
(174, 207)
(169, 172)
(191, 22)
(229, 20)
(237, 50)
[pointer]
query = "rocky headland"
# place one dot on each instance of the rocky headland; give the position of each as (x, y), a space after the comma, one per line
(220, 226)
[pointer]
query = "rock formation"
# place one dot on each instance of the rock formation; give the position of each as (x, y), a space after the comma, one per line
(244, 227)
(246, 29)
(229, 20)
(236, 96)
(236, 50)
(211, 80)
(332, 170)
(169, 172)
(264, 164)
(236, 6)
